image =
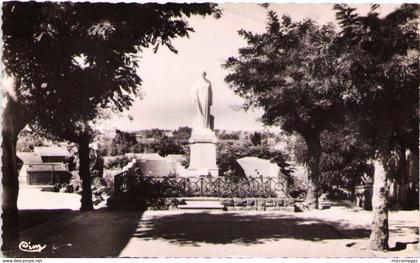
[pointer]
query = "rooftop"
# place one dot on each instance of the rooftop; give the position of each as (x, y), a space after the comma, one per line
(145, 156)
(46, 167)
(51, 151)
(29, 157)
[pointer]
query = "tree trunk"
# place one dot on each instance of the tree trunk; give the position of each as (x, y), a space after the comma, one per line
(84, 174)
(10, 192)
(314, 151)
(13, 123)
(402, 167)
(379, 232)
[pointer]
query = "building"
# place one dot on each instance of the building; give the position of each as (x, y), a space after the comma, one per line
(44, 166)
(44, 174)
(27, 158)
(52, 154)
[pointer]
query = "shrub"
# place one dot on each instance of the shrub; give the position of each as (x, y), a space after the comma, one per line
(117, 162)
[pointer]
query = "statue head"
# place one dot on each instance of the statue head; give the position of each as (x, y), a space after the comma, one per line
(204, 74)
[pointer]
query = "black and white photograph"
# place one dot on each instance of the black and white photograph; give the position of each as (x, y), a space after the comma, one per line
(210, 130)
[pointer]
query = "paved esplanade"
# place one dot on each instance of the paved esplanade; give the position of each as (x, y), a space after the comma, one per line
(321, 233)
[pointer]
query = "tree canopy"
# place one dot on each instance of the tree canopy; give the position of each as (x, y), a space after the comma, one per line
(72, 59)
(380, 57)
(290, 72)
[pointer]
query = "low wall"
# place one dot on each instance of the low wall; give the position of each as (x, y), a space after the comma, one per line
(257, 204)
(156, 167)
(230, 204)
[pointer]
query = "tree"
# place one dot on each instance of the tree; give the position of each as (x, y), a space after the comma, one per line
(255, 138)
(28, 140)
(183, 133)
(228, 135)
(69, 60)
(167, 146)
(123, 142)
(381, 91)
(344, 160)
(289, 71)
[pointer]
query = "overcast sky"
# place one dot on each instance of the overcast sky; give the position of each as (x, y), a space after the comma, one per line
(167, 77)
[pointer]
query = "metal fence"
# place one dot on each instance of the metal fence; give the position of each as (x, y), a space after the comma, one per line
(176, 186)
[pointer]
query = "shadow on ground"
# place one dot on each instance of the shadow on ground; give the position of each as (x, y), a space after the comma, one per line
(98, 233)
(247, 229)
(402, 245)
(29, 218)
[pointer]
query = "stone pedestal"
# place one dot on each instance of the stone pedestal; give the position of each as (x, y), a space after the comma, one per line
(203, 153)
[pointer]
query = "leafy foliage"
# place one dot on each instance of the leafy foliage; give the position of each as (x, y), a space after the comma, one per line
(380, 57)
(168, 146)
(126, 142)
(256, 138)
(182, 133)
(289, 72)
(344, 160)
(73, 59)
(122, 142)
(228, 135)
(28, 140)
(117, 162)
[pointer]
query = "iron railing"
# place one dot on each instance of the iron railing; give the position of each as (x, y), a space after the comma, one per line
(176, 186)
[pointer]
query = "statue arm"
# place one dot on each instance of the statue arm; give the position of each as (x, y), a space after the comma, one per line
(210, 95)
(196, 100)
(194, 96)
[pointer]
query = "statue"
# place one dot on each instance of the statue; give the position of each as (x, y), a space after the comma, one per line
(202, 96)
(203, 139)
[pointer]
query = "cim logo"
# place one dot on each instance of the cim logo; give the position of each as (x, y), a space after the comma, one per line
(29, 247)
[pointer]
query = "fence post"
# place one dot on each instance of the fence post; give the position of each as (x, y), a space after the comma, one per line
(201, 187)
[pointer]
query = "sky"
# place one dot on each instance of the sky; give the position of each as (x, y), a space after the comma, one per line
(167, 77)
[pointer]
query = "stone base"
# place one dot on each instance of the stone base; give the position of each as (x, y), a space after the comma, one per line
(190, 172)
(203, 154)
(203, 136)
